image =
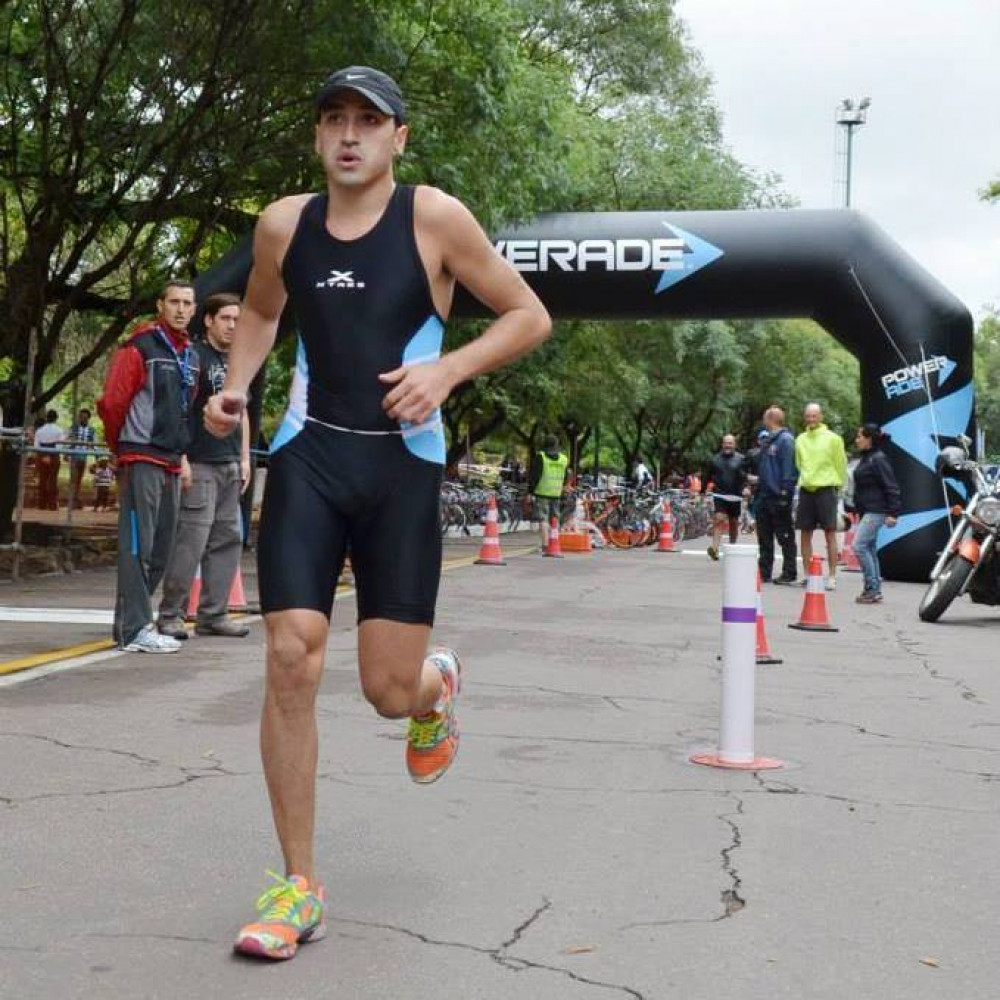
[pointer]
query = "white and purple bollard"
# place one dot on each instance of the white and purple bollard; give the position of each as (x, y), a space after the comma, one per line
(739, 662)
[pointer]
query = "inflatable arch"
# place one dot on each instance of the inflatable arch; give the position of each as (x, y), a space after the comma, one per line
(912, 338)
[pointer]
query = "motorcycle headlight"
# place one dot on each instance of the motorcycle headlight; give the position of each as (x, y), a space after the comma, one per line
(988, 511)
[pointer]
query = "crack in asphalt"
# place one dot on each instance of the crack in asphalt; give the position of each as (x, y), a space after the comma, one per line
(911, 647)
(499, 954)
(730, 897)
(75, 746)
(732, 901)
(189, 774)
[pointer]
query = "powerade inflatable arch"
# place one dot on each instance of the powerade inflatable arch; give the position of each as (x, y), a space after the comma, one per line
(912, 338)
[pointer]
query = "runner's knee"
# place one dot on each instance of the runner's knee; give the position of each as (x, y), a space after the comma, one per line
(389, 696)
(294, 667)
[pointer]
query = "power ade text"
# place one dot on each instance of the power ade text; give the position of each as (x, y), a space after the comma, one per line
(912, 377)
(606, 255)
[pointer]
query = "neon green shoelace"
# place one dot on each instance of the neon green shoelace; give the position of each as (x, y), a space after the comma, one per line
(427, 733)
(278, 904)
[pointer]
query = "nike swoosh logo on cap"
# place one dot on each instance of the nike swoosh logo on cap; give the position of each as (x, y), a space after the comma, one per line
(355, 76)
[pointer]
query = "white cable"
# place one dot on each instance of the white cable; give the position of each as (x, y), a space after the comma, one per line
(934, 428)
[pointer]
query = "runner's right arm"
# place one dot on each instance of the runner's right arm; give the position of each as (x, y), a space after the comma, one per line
(258, 323)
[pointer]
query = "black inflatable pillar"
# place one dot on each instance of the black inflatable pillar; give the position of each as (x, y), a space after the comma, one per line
(912, 338)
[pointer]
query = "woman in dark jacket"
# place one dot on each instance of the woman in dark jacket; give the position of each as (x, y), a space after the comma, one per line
(877, 500)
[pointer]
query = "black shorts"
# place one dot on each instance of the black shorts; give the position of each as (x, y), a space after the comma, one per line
(329, 492)
(731, 508)
(817, 509)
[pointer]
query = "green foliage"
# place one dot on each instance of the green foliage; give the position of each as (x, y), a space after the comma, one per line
(987, 380)
(140, 138)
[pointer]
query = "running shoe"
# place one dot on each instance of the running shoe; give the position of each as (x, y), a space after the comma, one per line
(831, 583)
(868, 597)
(713, 553)
(432, 741)
(148, 640)
(288, 914)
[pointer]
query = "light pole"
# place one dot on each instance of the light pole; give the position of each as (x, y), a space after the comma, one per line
(850, 116)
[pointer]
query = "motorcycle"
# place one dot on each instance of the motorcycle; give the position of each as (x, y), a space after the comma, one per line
(968, 564)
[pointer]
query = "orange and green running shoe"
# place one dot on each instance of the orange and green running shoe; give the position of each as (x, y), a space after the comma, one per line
(288, 914)
(433, 739)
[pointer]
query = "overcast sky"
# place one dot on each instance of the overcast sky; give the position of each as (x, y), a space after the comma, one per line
(932, 70)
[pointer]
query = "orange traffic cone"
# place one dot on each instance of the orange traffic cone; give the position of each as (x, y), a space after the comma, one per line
(666, 540)
(489, 551)
(553, 549)
(848, 560)
(237, 597)
(814, 617)
(195, 596)
(763, 649)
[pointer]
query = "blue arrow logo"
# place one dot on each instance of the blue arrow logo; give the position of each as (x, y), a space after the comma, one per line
(914, 431)
(698, 253)
(947, 367)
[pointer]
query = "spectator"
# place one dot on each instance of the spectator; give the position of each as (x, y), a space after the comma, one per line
(82, 438)
(822, 465)
(146, 412)
(775, 489)
(214, 473)
(547, 479)
(47, 437)
(104, 476)
(877, 500)
(728, 475)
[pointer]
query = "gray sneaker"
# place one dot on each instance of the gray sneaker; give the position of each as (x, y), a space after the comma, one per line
(150, 641)
(173, 627)
(224, 627)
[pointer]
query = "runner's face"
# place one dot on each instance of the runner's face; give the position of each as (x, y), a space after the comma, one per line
(220, 327)
(176, 307)
(813, 416)
(729, 444)
(356, 142)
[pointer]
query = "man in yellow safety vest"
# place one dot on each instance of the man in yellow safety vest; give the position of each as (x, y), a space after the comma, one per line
(548, 477)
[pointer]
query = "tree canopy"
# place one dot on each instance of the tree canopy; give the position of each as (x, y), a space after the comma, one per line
(140, 138)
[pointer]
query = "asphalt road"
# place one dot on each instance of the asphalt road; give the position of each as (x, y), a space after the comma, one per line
(573, 851)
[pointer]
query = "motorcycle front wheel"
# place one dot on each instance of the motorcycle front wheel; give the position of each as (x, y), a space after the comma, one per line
(945, 588)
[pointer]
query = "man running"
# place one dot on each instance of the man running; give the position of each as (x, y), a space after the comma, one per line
(728, 474)
(369, 267)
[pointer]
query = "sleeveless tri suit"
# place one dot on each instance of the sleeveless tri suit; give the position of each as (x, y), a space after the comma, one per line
(342, 475)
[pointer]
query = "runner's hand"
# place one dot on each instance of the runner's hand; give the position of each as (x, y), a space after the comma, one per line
(224, 411)
(418, 391)
(890, 522)
(246, 471)
(185, 473)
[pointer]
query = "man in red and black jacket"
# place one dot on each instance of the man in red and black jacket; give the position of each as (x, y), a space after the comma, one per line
(145, 409)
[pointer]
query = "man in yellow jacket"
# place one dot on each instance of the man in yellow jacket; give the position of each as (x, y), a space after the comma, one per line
(548, 480)
(822, 465)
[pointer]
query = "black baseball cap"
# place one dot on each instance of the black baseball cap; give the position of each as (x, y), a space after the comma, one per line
(371, 84)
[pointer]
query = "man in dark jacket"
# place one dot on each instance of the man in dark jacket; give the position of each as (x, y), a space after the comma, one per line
(728, 475)
(145, 409)
(775, 489)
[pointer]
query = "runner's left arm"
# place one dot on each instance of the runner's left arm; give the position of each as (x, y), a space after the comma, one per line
(522, 321)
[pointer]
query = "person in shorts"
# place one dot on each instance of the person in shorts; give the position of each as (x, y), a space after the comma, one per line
(369, 267)
(548, 480)
(821, 460)
(727, 473)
